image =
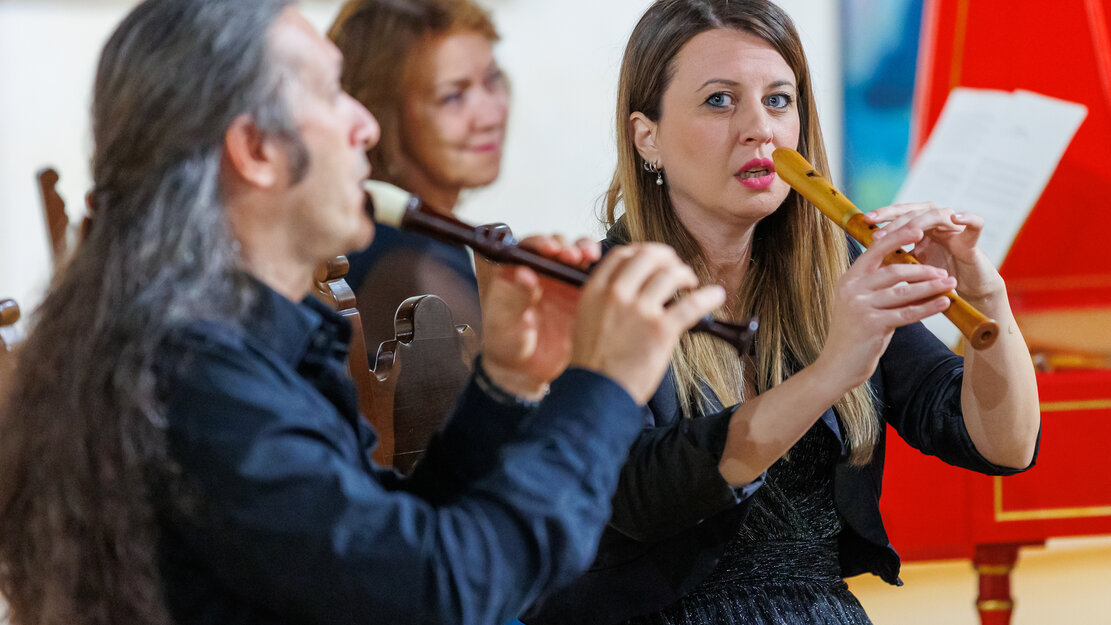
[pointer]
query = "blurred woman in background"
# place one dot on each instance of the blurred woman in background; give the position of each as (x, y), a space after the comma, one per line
(426, 70)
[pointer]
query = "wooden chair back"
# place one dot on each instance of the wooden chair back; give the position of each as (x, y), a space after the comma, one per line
(427, 365)
(416, 378)
(9, 315)
(9, 338)
(57, 219)
(54, 208)
(375, 395)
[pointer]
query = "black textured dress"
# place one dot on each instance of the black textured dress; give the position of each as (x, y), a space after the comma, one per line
(782, 566)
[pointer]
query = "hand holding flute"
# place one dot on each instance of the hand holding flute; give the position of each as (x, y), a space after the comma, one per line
(398, 208)
(980, 331)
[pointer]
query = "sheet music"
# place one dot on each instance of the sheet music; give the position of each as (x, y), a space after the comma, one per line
(991, 153)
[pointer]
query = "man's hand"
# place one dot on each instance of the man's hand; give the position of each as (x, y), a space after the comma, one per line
(528, 319)
(628, 324)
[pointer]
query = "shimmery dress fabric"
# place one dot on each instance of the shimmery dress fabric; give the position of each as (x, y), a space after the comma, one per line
(782, 567)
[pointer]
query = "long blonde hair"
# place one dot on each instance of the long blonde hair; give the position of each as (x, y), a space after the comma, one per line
(797, 255)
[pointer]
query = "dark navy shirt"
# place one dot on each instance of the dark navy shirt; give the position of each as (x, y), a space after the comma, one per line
(296, 524)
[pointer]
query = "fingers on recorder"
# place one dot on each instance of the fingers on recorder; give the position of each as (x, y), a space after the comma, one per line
(897, 293)
(627, 329)
(583, 252)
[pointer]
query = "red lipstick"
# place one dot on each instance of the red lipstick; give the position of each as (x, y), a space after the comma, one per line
(759, 173)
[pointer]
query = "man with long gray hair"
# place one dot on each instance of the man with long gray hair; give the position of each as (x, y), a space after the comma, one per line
(181, 442)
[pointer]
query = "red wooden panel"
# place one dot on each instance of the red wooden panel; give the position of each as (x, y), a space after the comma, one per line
(934, 511)
(1058, 262)
(1058, 258)
(926, 505)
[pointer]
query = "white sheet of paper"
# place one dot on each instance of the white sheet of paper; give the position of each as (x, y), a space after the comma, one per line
(991, 153)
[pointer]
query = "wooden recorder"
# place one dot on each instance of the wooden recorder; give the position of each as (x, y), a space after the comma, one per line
(796, 171)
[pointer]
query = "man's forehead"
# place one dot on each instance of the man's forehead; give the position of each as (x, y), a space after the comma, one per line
(300, 45)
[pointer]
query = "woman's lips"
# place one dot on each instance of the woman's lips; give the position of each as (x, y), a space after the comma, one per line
(759, 173)
(487, 147)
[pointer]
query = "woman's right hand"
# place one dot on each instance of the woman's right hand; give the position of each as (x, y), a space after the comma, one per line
(872, 300)
(626, 329)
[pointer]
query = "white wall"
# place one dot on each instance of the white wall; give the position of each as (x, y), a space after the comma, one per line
(562, 58)
(47, 59)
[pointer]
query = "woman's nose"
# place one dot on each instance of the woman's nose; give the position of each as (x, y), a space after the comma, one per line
(492, 108)
(757, 128)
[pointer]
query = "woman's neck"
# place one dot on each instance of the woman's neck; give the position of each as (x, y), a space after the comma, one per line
(432, 194)
(727, 249)
(728, 267)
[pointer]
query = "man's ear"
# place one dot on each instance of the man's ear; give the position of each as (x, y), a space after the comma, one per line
(254, 157)
(643, 131)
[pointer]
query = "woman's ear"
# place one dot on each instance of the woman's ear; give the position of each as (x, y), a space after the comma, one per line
(643, 131)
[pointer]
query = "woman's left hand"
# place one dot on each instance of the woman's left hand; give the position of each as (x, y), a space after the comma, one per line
(999, 395)
(949, 242)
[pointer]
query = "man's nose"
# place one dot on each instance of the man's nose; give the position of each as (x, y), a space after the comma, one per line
(366, 131)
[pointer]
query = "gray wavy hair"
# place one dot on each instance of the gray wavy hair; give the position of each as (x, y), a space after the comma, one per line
(84, 469)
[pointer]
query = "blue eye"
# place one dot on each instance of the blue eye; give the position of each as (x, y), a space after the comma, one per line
(495, 80)
(778, 101)
(720, 99)
(452, 98)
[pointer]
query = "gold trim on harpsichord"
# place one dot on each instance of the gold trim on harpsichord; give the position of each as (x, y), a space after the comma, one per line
(995, 605)
(960, 29)
(1080, 404)
(994, 569)
(1043, 514)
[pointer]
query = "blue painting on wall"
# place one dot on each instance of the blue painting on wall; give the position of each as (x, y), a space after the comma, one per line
(879, 50)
